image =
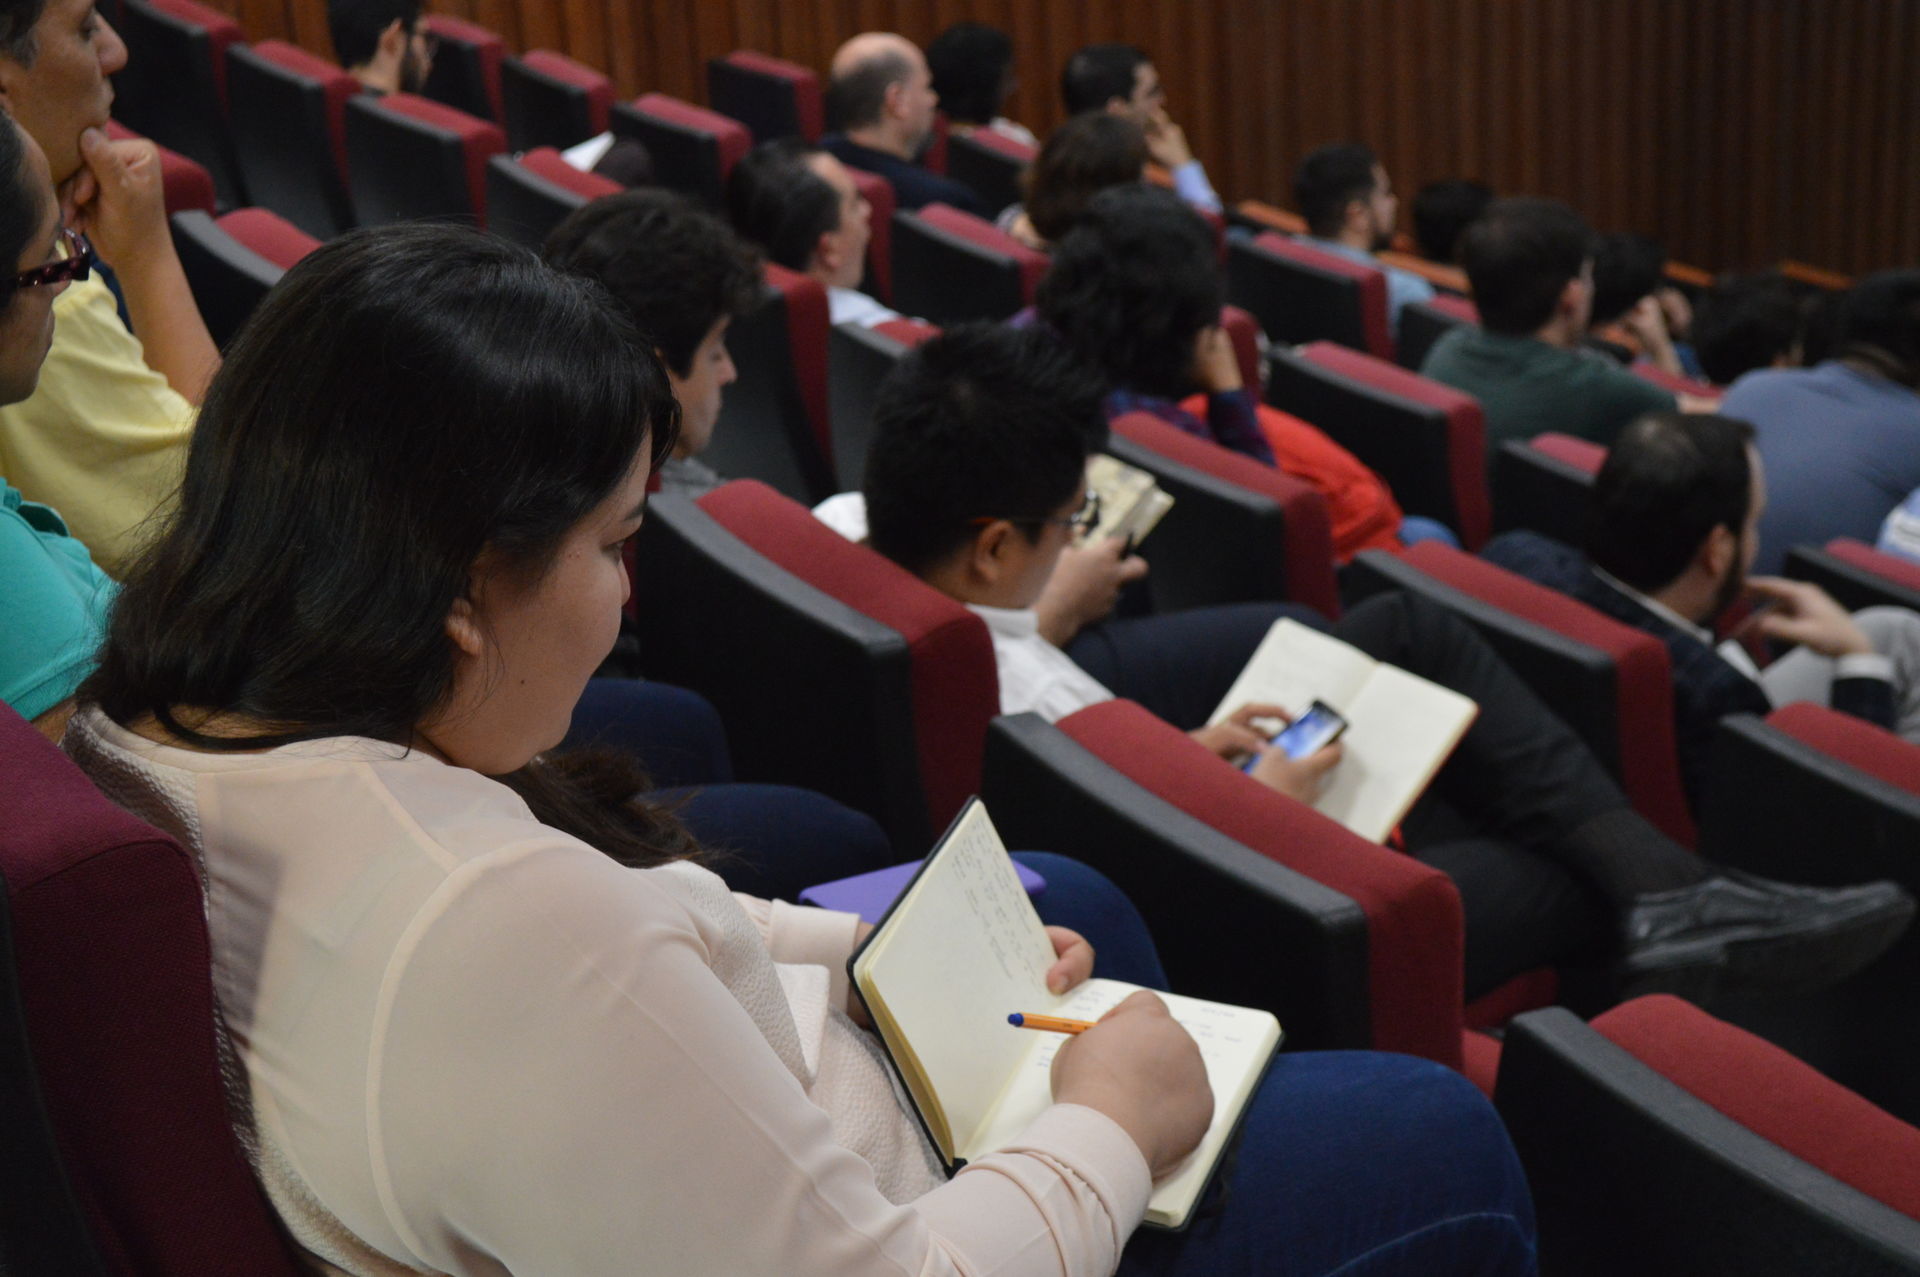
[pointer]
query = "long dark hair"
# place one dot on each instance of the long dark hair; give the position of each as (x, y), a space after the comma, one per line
(406, 398)
(1089, 153)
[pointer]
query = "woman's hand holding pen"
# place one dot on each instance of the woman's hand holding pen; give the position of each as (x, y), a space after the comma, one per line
(1138, 1066)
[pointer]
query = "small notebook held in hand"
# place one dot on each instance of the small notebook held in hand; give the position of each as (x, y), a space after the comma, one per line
(1400, 727)
(962, 949)
(1131, 503)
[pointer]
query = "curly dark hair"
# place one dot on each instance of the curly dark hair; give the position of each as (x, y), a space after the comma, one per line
(676, 268)
(1132, 285)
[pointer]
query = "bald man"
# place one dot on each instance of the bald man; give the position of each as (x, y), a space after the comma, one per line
(882, 99)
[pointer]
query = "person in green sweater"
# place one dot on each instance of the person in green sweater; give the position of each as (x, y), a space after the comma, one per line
(1530, 264)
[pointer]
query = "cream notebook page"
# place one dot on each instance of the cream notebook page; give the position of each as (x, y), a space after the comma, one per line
(1400, 726)
(970, 950)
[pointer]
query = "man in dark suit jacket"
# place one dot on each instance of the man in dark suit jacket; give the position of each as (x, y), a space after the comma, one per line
(882, 100)
(1671, 537)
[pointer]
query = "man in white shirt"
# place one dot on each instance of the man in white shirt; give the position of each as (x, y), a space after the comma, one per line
(801, 206)
(975, 483)
(1121, 78)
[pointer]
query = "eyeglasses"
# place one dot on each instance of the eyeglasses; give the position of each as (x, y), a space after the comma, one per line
(1081, 521)
(74, 266)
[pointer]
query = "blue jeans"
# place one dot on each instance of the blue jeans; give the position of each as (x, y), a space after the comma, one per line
(1355, 1163)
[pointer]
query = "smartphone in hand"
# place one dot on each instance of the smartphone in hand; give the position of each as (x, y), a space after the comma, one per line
(1310, 733)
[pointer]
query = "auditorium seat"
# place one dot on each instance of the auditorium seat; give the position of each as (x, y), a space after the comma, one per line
(551, 100)
(992, 164)
(1545, 484)
(773, 423)
(409, 157)
(773, 97)
(858, 360)
(1813, 795)
(1856, 574)
(466, 67)
(1267, 217)
(950, 266)
(933, 153)
(1238, 532)
(110, 956)
(1301, 293)
(693, 149)
(233, 261)
(1252, 897)
(290, 133)
(174, 86)
(881, 202)
(1611, 683)
(529, 195)
(1659, 1139)
(832, 668)
(1424, 323)
(1428, 441)
(1244, 332)
(184, 183)
(1450, 279)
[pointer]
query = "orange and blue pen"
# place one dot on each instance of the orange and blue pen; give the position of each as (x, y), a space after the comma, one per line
(1050, 1023)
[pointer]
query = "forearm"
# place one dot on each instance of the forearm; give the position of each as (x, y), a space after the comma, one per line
(173, 338)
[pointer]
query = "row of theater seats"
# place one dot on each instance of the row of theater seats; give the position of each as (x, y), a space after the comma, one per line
(1656, 1138)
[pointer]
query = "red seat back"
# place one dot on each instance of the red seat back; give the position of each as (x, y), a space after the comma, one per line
(1428, 441)
(693, 149)
(950, 266)
(1854, 741)
(953, 683)
(1633, 730)
(548, 164)
(1301, 293)
(1902, 572)
(1231, 500)
(771, 96)
(1774, 1095)
(268, 234)
(1414, 922)
(978, 230)
(466, 69)
(184, 183)
(114, 968)
(446, 131)
(332, 82)
(222, 31)
(883, 203)
(551, 100)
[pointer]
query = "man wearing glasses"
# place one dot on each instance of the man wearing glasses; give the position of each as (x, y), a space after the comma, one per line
(103, 438)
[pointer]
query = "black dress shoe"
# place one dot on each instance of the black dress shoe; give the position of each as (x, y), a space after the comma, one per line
(1737, 932)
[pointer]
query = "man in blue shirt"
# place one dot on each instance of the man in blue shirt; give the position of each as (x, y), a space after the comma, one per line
(1344, 193)
(1841, 441)
(882, 99)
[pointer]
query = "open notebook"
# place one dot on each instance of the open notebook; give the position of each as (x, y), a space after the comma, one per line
(1131, 503)
(1400, 727)
(961, 950)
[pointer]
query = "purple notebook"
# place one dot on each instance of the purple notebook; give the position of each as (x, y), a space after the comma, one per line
(870, 894)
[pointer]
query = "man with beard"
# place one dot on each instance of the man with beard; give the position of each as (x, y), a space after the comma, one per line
(382, 43)
(1671, 537)
(1344, 193)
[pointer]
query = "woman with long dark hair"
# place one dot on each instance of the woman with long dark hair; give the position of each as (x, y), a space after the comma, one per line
(484, 1027)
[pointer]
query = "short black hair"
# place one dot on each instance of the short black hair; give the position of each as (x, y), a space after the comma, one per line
(1669, 480)
(776, 200)
(1626, 267)
(1329, 179)
(1099, 73)
(23, 205)
(1520, 255)
(1880, 321)
(858, 98)
(984, 421)
(1089, 153)
(18, 18)
(1132, 284)
(1747, 321)
(970, 62)
(674, 267)
(356, 25)
(1442, 211)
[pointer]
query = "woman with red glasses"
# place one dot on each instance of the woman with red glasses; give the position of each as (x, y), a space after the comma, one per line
(53, 599)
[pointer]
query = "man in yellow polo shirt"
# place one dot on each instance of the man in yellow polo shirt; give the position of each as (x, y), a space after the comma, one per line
(103, 438)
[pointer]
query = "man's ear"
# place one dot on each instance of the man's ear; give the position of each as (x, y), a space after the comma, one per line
(463, 627)
(826, 253)
(393, 42)
(987, 554)
(1718, 552)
